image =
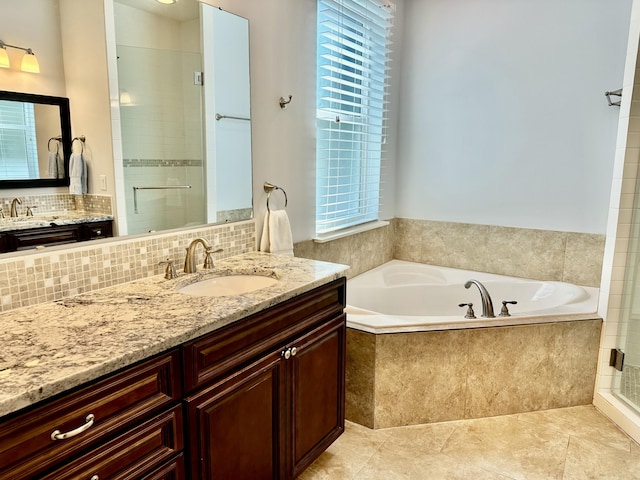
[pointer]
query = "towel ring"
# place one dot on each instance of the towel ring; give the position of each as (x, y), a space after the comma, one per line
(81, 139)
(269, 188)
(57, 139)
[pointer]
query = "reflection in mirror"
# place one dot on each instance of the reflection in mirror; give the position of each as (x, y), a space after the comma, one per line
(178, 66)
(35, 139)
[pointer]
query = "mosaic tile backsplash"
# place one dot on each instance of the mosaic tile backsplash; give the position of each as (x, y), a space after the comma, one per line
(58, 273)
(59, 203)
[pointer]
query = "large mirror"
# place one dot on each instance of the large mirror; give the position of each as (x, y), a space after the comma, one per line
(183, 80)
(35, 140)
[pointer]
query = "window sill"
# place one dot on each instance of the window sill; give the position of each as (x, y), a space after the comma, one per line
(345, 232)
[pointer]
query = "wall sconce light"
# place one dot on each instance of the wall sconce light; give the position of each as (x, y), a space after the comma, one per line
(29, 61)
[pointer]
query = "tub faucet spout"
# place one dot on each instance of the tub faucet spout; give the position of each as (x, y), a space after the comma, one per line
(487, 304)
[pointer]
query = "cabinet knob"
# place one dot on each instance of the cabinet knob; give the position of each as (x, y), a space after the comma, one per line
(294, 350)
(286, 354)
(58, 435)
(95, 477)
(98, 233)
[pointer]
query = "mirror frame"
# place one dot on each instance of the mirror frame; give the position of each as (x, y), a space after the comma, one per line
(65, 127)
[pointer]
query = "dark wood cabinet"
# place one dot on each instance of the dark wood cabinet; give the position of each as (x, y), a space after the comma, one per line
(79, 422)
(259, 399)
(28, 238)
(275, 401)
(236, 425)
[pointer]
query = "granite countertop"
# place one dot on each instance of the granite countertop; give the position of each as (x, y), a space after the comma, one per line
(51, 219)
(52, 347)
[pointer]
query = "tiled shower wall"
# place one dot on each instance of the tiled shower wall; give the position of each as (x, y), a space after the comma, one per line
(536, 254)
(58, 273)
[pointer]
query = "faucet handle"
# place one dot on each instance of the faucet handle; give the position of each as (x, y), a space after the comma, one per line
(30, 210)
(208, 260)
(170, 272)
(470, 313)
(504, 312)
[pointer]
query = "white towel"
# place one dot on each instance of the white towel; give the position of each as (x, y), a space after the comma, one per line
(77, 174)
(53, 165)
(276, 233)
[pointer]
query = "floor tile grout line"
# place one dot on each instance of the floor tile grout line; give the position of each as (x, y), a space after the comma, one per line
(364, 464)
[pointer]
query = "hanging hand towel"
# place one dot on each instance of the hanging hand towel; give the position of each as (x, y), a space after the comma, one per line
(53, 165)
(60, 159)
(276, 233)
(77, 174)
(264, 239)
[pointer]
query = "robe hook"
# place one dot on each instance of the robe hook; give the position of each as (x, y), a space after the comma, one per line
(284, 102)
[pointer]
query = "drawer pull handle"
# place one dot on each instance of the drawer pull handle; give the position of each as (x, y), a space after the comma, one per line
(57, 435)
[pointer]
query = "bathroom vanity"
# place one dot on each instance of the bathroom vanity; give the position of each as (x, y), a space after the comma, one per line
(29, 233)
(250, 386)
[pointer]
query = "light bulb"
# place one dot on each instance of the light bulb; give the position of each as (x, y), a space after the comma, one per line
(30, 63)
(4, 58)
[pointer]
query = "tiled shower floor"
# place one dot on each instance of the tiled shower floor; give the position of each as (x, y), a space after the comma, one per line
(630, 384)
(568, 443)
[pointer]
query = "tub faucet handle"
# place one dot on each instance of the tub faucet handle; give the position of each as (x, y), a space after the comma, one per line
(504, 312)
(470, 313)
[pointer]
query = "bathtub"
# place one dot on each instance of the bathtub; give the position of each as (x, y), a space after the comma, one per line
(402, 296)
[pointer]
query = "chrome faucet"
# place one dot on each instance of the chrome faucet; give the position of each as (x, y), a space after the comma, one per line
(190, 259)
(487, 304)
(14, 208)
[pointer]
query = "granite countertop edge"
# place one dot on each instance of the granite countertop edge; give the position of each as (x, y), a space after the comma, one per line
(53, 220)
(57, 346)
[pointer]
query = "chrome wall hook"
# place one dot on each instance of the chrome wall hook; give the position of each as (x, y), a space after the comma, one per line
(284, 102)
(617, 93)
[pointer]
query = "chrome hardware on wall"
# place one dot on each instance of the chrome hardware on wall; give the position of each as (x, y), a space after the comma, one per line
(617, 93)
(269, 188)
(80, 139)
(232, 117)
(504, 311)
(160, 187)
(284, 102)
(470, 312)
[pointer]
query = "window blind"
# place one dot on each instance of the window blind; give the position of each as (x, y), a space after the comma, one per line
(352, 84)
(18, 150)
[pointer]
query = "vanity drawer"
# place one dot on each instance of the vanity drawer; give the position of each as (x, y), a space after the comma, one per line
(34, 237)
(212, 355)
(132, 454)
(117, 403)
(95, 230)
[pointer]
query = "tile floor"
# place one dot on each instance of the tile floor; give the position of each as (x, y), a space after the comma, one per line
(568, 443)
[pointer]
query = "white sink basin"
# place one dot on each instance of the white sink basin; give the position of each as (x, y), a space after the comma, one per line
(228, 285)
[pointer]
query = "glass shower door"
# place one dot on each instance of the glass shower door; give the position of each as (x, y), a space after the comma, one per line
(161, 121)
(626, 380)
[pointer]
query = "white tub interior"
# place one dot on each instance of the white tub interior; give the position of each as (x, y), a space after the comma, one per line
(402, 296)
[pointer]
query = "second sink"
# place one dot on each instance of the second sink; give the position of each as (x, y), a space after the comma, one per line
(228, 285)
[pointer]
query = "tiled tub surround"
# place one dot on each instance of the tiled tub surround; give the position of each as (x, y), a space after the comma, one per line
(426, 377)
(53, 347)
(519, 252)
(57, 273)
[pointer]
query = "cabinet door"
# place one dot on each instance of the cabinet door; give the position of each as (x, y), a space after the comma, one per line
(236, 425)
(317, 375)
